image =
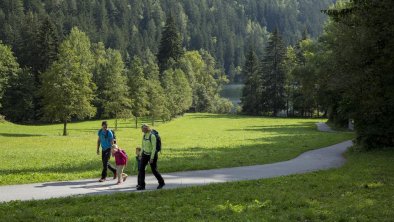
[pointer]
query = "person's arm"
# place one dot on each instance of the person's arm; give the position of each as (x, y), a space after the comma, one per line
(98, 146)
(153, 143)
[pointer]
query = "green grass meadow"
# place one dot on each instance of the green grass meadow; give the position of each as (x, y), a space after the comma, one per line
(362, 190)
(196, 141)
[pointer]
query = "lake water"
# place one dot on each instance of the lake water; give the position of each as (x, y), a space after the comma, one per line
(233, 92)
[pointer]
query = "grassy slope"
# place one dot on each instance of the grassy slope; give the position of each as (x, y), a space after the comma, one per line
(363, 190)
(196, 141)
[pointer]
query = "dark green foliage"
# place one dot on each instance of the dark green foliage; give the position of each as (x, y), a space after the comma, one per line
(272, 75)
(18, 100)
(47, 46)
(304, 85)
(138, 90)
(26, 43)
(9, 67)
(251, 96)
(264, 91)
(348, 73)
(99, 76)
(362, 45)
(220, 27)
(170, 50)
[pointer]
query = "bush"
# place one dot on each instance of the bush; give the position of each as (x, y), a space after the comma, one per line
(223, 106)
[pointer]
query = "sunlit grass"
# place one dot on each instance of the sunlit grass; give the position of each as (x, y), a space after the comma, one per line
(195, 141)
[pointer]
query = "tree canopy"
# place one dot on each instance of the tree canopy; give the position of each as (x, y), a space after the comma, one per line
(222, 27)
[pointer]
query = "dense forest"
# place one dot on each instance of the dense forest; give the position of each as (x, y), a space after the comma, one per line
(225, 28)
(67, 60)
(82, 80)
(346, 74)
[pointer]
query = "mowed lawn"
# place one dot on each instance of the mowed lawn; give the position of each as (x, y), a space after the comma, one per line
(195, 141)
(362, 190)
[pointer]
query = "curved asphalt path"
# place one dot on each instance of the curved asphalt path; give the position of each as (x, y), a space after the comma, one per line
(315, 160)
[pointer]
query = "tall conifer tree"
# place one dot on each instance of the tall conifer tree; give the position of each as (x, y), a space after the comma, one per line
(251, 91)
(273, 75)
(170, 45)
(138, 89)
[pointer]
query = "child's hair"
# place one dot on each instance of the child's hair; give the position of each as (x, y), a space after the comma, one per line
(138, 151)
(115, 148)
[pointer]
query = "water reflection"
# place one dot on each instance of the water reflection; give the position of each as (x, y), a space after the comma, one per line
(233, 92)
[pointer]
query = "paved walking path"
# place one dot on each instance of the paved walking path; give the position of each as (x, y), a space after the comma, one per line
(320, 159)
(323, 127)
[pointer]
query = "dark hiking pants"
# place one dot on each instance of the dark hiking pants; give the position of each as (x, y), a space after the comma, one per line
(141, 173)
(105, 156)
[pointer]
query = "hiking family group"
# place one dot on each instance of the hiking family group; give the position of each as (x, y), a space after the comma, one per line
(148, 153)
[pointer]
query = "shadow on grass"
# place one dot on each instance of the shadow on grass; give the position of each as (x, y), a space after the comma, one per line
(230, 116)
(221, 116)
(77, 168)
(278, 129)
(303, 128)
(20, 135)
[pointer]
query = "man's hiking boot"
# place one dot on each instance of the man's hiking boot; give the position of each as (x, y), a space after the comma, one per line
(140, 188)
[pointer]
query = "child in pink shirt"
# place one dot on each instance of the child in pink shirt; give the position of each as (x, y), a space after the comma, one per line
(121, 161)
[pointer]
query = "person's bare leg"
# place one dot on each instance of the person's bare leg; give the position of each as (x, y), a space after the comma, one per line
(119, 172)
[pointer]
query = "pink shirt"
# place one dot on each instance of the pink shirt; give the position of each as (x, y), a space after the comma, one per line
(120, 157)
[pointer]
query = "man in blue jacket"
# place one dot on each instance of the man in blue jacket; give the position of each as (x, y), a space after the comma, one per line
(106, 140)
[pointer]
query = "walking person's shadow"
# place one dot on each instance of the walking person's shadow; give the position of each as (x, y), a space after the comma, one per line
(67, 183)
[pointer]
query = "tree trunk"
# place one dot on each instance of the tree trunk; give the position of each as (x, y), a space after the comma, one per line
(325, 113)
(65, 128)
(287, 107)
(153, 121)
(292, 99)
(136, 122)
